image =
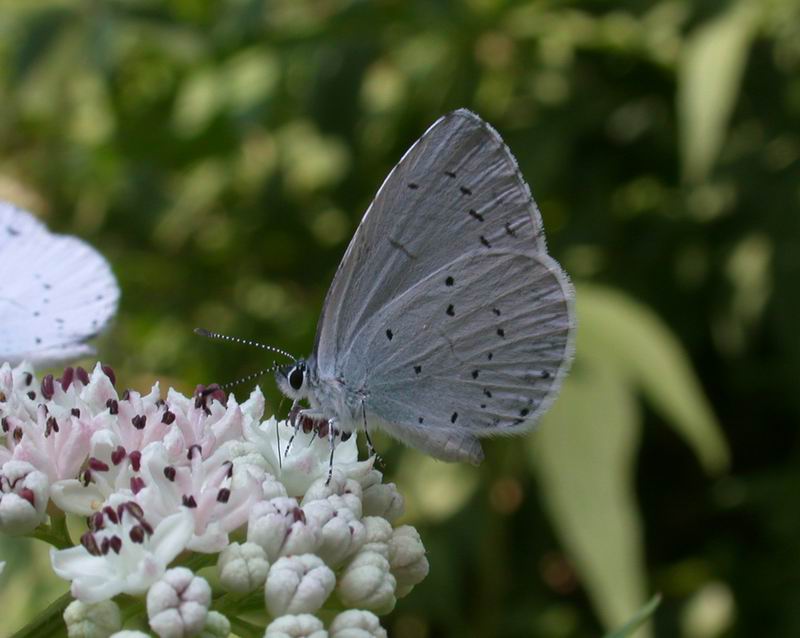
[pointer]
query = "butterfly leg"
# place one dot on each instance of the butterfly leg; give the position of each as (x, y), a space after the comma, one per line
(370, 447)
(295, 423)
(332, 443)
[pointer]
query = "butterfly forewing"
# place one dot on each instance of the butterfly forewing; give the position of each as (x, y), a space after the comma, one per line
(446, 315)
(456, 190)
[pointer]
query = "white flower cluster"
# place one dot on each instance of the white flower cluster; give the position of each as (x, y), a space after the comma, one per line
(164, 483)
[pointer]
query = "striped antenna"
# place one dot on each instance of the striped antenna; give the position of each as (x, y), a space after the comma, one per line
(216, 335)
(249, 377)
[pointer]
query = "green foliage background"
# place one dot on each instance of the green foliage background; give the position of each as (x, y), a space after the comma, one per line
(220, 154)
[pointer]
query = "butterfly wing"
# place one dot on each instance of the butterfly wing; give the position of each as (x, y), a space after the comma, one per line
(477, 348)
(55, 291)
(456, 188)
(446, 310)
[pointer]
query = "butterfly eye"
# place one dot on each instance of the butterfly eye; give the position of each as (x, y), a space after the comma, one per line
(296, 378)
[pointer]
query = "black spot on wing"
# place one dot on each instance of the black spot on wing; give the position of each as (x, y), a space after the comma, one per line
(464, 190)
(450, 310)
(475, 214)
(449, 281)
(485, 242)
(413, 186)
(389, 335)
(450, 174)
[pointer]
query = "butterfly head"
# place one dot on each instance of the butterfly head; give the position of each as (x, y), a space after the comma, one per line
(292, 379)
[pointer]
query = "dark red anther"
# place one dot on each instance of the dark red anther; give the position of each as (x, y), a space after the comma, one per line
(189, 501)
(230, 469)
(139, 421)
(118, 455)
(113, 515)
(116, 543)
(322, 429)
(169, 472)
(126, 394)
(90, 543)
(31, 395)
(105, 545)
(50, 426)
(146, 527)
(97, 465)
(137, 534)
(28, 495)
(298, 515)
(82, 375)
(75, 412)
(223, 495)
(86, 476)
(136, 460)
(28, 378)
(307, 423)
(97, 521)
(4, 423)
(17, 434)
(134, 509)
(192, 448)
(168, 417)
(67, 377)
(48, 386)
(113, 406)
(137, 484)
(109, 372)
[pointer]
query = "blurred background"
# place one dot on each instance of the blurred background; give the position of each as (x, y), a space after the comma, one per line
(221, 155)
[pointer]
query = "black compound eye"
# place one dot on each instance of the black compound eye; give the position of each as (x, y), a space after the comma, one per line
(296, 378)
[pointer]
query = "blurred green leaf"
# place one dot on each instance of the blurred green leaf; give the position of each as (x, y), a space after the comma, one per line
(709, 78)
(638, 619)
(630, 337)
(584, 454)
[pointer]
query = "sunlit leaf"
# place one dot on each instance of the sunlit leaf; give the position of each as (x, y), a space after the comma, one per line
(709, 78)
(638, 619)
(632, 338)
(584, 458)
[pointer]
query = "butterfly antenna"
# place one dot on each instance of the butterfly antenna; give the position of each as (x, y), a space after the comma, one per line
(216, 335)
(249, 377)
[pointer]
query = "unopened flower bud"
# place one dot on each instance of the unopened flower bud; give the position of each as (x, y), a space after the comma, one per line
(340, 491)
(378, 535)
(272, 487)
(367, 583)
(298, 584)
(342, 534)
(381, 499)
(242, 568)
(24, 493)
(356, 623)
(217, 626)
(407, 559)
(177, 605)
(299, 626)
(92, 620)
(280, 528)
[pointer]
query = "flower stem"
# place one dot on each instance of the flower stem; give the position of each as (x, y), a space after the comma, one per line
(245, 629)
(50, 622)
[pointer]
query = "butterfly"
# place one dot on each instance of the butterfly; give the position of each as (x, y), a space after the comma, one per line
(446, 321)
(56, 291)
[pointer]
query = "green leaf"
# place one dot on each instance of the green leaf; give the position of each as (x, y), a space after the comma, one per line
(632, 338)
(584, 454)
(584, 458)
(638, 619)
(709, 78)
